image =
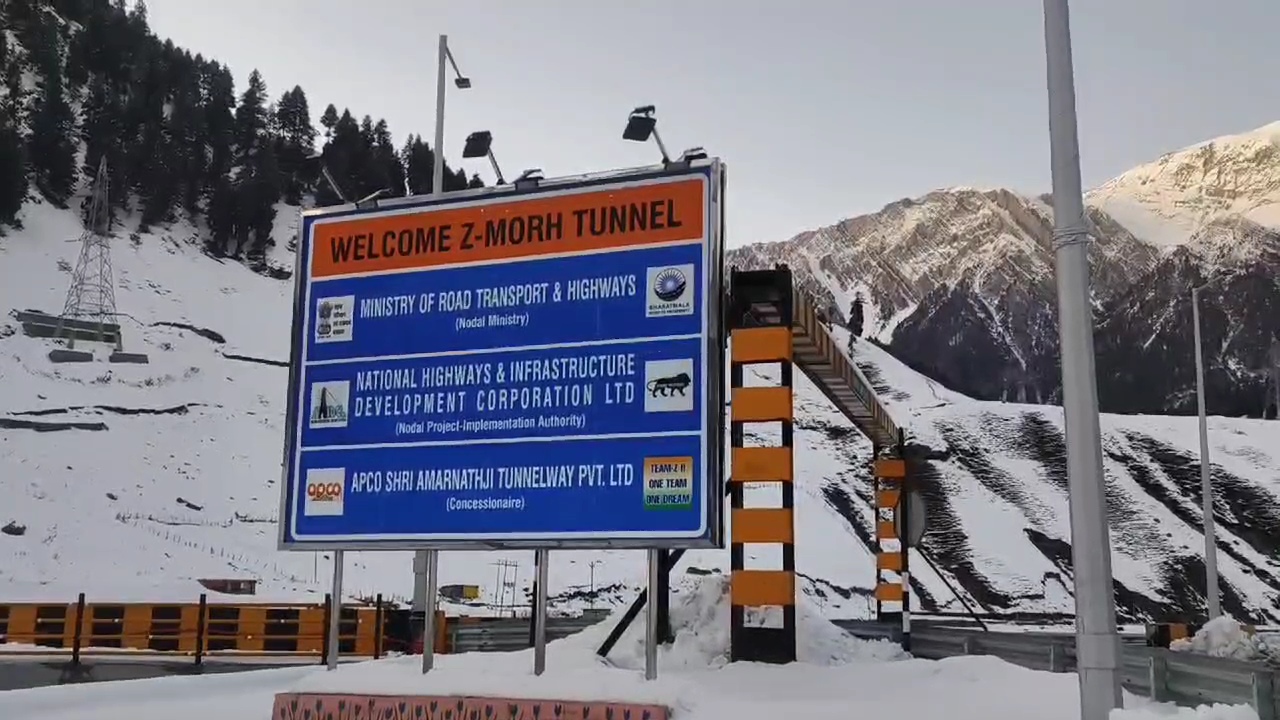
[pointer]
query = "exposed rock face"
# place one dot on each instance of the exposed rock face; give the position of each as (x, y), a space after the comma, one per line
(959, 283)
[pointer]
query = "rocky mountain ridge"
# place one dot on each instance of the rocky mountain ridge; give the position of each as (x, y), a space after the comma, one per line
(959, 284)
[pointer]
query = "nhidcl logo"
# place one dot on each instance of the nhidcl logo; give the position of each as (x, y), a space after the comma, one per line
(324, 492)
(329, 403)
(669, 284)
(670, 290)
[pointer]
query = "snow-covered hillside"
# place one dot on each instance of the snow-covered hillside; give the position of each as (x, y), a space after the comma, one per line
(999, 499)
(169, 472)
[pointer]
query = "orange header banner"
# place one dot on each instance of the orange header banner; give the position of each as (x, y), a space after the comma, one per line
(541, 225)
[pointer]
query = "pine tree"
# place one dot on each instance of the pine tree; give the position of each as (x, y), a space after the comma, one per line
(256, 177)
(13, 171)
(152, 174)
(13, 160)
(100, 129)
(220, 216)
(342, 156)
(51, 151)
(388, 170)
(251, 118)
(218, 90)
(259, 194)
(419, 162)
(100, 132)
(187, 128)
(329, 120)
(295, 143)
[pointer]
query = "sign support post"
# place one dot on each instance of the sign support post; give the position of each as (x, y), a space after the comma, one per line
(335, 611)
(426, 562)
(429, 607)
(541, 561)
(651, 617)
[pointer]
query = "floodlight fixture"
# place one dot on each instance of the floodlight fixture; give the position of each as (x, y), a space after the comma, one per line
(641, 124)
(370, 201)
(692, 154)
(480, 144)
(529, 179)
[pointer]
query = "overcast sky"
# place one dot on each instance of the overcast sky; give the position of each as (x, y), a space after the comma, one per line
(822, 109)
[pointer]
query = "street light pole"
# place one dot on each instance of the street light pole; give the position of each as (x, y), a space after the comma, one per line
(1211, 593)
(426, 562)
(437, 170)
(1097, 642)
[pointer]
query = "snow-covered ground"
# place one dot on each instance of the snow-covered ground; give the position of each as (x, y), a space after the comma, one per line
(188, 488)
(837, 677)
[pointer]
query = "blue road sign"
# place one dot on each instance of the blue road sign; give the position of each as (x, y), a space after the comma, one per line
(539, 368)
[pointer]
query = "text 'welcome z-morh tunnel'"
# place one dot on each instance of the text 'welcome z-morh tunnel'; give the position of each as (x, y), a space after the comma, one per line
(574, 224)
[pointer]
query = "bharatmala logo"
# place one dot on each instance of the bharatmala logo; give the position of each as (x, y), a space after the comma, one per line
(324, 492)
(329, 402)
(670, 291)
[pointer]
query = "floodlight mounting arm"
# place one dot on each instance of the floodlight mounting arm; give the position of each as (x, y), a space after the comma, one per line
(662, 147)
(333, 184)
(452, 62)
(496, 170)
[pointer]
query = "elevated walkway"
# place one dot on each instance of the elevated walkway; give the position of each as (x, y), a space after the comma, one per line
(814, 351)
(770, 322)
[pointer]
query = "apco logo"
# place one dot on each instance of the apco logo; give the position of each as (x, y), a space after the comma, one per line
(335, 318)
(670, 291)
(324, 492)
(329, 402)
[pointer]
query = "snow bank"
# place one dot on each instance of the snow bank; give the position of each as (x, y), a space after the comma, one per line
(1172, 712)
(1226, 638)
(699, 619)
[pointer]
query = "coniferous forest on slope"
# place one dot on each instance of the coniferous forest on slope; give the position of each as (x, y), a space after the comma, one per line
(81, 80)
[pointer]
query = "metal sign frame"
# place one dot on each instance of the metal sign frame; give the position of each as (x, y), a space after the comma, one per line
(707, 485)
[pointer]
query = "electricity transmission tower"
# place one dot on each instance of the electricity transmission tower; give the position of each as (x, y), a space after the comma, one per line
(92, 295)
(500, 588)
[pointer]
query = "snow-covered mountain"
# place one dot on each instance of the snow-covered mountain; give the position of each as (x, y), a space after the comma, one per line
(959, 283)
(134, 481)
(1169, 201)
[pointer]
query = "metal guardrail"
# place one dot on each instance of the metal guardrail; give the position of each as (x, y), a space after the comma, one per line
(1179, 677)
(509, 635)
